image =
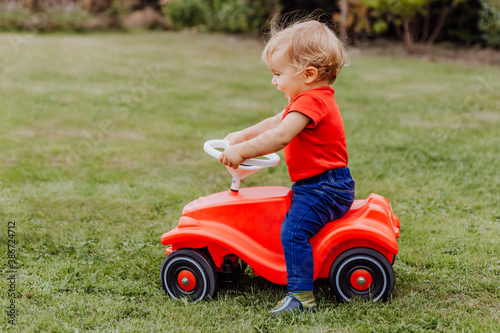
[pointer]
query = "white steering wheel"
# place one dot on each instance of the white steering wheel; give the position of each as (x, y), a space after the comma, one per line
(270, 160)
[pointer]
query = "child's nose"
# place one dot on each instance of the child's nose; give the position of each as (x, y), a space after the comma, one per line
(273, 82)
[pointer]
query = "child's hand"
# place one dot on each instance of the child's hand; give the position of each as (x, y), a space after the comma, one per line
(235, 137)
(232, 157)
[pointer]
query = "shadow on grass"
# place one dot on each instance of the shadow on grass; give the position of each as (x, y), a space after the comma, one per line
(254, 290)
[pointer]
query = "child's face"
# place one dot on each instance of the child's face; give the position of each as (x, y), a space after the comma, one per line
(285, 76)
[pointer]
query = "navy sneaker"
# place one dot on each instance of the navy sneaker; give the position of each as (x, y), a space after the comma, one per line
(302, 301)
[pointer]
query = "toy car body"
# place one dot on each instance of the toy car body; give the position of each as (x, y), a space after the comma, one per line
(218, 233)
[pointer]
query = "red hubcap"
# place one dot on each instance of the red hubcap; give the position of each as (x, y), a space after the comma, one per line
(186, 280)
(361, 279)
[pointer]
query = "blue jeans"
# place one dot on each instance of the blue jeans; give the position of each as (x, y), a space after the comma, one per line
(316, 201)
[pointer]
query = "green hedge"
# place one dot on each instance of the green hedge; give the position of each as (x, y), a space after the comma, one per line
(248, 16)
(186, 13)
(15, 17)
(489, 22)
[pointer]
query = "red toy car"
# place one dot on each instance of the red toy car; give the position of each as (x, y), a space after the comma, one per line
(219, 234)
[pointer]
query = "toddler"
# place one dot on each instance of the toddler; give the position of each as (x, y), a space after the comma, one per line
(304, 59)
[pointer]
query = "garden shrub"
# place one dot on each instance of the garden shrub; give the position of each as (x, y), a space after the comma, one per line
(489, 22)
(240, 15)
(13, 18)
(462, 25)
(186, 13)
(55, 17)
(248, 16)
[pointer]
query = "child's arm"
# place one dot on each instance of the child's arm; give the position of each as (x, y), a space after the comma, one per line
(270, 141)
(255, 130)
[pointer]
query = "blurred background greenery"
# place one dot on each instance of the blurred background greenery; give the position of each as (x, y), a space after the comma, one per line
(412, 22)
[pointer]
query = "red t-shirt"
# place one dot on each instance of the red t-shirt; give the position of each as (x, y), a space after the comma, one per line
(321, 145)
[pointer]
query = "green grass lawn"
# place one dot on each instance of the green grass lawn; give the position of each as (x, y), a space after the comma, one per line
(101, 146)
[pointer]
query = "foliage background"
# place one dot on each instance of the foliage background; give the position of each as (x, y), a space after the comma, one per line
(469, 22)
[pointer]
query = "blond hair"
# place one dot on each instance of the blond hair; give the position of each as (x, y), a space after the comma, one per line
(308, 43)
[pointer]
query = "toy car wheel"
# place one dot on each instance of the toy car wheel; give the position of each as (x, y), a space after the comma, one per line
(188, 273)
(363, 273)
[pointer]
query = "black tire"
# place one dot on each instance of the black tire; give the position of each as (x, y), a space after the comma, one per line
(363, 273)
(188, 273)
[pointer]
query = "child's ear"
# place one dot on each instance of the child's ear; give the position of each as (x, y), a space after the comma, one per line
(311, 74)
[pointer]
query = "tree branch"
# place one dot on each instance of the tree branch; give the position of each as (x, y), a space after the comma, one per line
(442, 18)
